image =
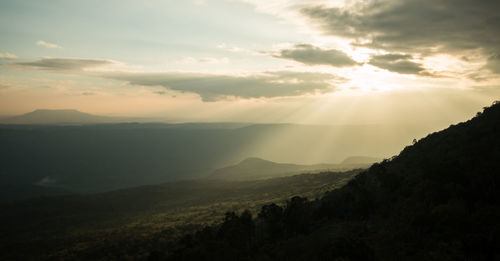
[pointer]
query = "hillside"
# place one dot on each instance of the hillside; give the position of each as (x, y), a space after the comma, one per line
(256, 168)
(75, 226)
(437, 200)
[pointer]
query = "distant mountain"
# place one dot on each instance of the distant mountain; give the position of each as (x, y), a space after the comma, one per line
(360, 160)
(256, 168)
(59, 117)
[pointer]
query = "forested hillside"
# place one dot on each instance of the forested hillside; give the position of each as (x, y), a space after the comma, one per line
(437, 200)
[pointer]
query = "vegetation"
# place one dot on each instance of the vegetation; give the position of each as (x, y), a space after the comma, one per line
(436, 200)
(131, 222)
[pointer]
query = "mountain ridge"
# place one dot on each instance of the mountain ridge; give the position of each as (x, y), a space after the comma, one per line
(59, 116)
(255, 168)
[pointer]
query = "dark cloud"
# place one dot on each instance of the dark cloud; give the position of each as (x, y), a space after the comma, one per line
(400, 63)
(312, 55)
(218, 87)
(493, 63)
(63, 64)
(423, 26)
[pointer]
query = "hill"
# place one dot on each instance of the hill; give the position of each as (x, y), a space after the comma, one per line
(82, 226)
(437, 200)
(256, 168)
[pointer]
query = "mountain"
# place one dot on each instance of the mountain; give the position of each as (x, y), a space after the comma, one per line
(59, 117)
(256, 168)
(439, 199)
(359, 160)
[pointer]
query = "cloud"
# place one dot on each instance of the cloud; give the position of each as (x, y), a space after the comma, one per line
(48, 45)
(235, 49)
(218, 87)
(160, 92)
(204, 60)
(493, 63)
(399, 63)
(7, 56)
(210, 87)
(211, 60)
(312, 55)
(63, 64)
(414, 26)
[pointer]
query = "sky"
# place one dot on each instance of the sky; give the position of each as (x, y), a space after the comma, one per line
(432, 62)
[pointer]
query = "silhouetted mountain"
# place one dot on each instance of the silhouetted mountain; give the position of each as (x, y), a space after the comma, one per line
(256, 168)
(437, 200)
(59, 117)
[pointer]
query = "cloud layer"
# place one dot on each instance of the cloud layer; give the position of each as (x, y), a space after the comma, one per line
(63, 64)
(399, 63)
(424, 26)
(493, 63)
(218, 87)
(210, 87)
(312, 55)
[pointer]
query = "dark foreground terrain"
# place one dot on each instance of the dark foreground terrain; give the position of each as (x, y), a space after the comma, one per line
(128, 223)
